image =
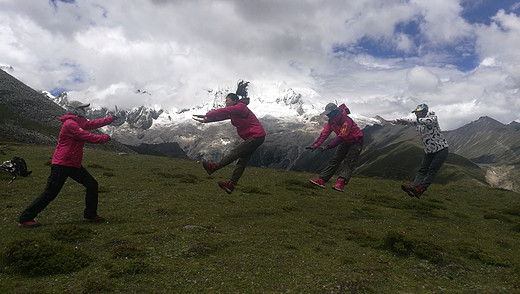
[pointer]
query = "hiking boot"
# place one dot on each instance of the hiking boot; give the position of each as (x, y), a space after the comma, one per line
(227, 186)
(418, 191)
(408, 190)
(318, 182)
(340, 186)
(95, 219)
(209, 167)
(29, 224)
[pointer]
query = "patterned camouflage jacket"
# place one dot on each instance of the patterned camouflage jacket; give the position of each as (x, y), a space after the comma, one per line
(428, 128)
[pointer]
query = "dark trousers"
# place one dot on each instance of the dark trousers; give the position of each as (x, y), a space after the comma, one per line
(430, 165)
(55, 182)
(348, 153)
(243, 153)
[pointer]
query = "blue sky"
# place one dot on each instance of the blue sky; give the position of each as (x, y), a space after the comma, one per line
(381, 57)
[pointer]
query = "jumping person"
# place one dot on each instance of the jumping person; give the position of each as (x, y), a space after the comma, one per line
(66, 162)
(349, 141)
(435, 149)
(248, 128)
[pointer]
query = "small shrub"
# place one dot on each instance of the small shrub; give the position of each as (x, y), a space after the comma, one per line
(515, 210)
(482, 256)
(72, 234)
(128, 267)
(188, 178)
(496, 216)
(290, 209)
(404, 246)
(254, 190)
(41, 257)
(397, 244)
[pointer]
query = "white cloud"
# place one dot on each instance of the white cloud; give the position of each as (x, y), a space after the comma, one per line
(103, 51)
(422, 80)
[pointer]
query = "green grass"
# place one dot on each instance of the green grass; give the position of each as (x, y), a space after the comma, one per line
(170, 229)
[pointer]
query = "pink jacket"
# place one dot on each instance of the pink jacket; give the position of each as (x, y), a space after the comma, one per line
(347, 130)
(241, 117)
(69, 151)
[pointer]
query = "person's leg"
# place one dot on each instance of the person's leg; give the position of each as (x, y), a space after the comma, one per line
(350, 161)
(233, 155)
(435, 165)
(334, 162)
(55, 182)
(83, 177)
(247, 150)
(423, 169)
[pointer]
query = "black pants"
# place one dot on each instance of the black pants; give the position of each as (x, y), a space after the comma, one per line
(55, 182)
(430, 165)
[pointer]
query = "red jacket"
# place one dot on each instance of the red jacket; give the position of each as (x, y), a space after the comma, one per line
(248, 126)
(69, 151)
(346, 129)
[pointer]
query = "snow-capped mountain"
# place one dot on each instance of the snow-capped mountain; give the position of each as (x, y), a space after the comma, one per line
(291, 117)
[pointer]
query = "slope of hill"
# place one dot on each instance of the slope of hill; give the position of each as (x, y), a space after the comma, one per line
(486, 141)
(28, 116)
(170, 229)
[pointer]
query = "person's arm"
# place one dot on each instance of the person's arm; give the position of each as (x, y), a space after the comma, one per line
(97, 123)
(323, 136)
(428, 120)
(400, 121)
(80, 134)
(226, 113)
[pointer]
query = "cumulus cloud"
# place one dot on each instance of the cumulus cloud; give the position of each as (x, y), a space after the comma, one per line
(422, 80)
(382, 57)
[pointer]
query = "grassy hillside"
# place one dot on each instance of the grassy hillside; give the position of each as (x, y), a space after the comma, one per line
(170, 229)
(8, 116)
(400, 161)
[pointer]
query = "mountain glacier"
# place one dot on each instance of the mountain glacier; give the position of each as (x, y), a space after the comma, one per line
(276, 106)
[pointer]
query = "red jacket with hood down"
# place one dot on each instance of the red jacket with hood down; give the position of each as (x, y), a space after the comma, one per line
(347, 130)
(248, 126)
(69, 151)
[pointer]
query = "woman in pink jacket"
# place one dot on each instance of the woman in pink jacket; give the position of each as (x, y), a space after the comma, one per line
(66, 162)
(248, 128)
(349, 143)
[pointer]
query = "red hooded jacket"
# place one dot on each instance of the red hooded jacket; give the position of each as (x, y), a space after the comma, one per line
(69, 151)
(346, 129)
(248, 126)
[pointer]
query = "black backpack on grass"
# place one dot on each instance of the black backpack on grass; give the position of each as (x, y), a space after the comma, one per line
(16, 167)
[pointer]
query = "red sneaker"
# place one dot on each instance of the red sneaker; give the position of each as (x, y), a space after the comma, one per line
(209, 167)
(318, 182)
(29, 224)
(95, 219)
(340, 186)
(227, 186)
(408, 190)
(418, 191)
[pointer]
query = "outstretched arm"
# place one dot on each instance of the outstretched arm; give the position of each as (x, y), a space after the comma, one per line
(199, 117)
(399, 121)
